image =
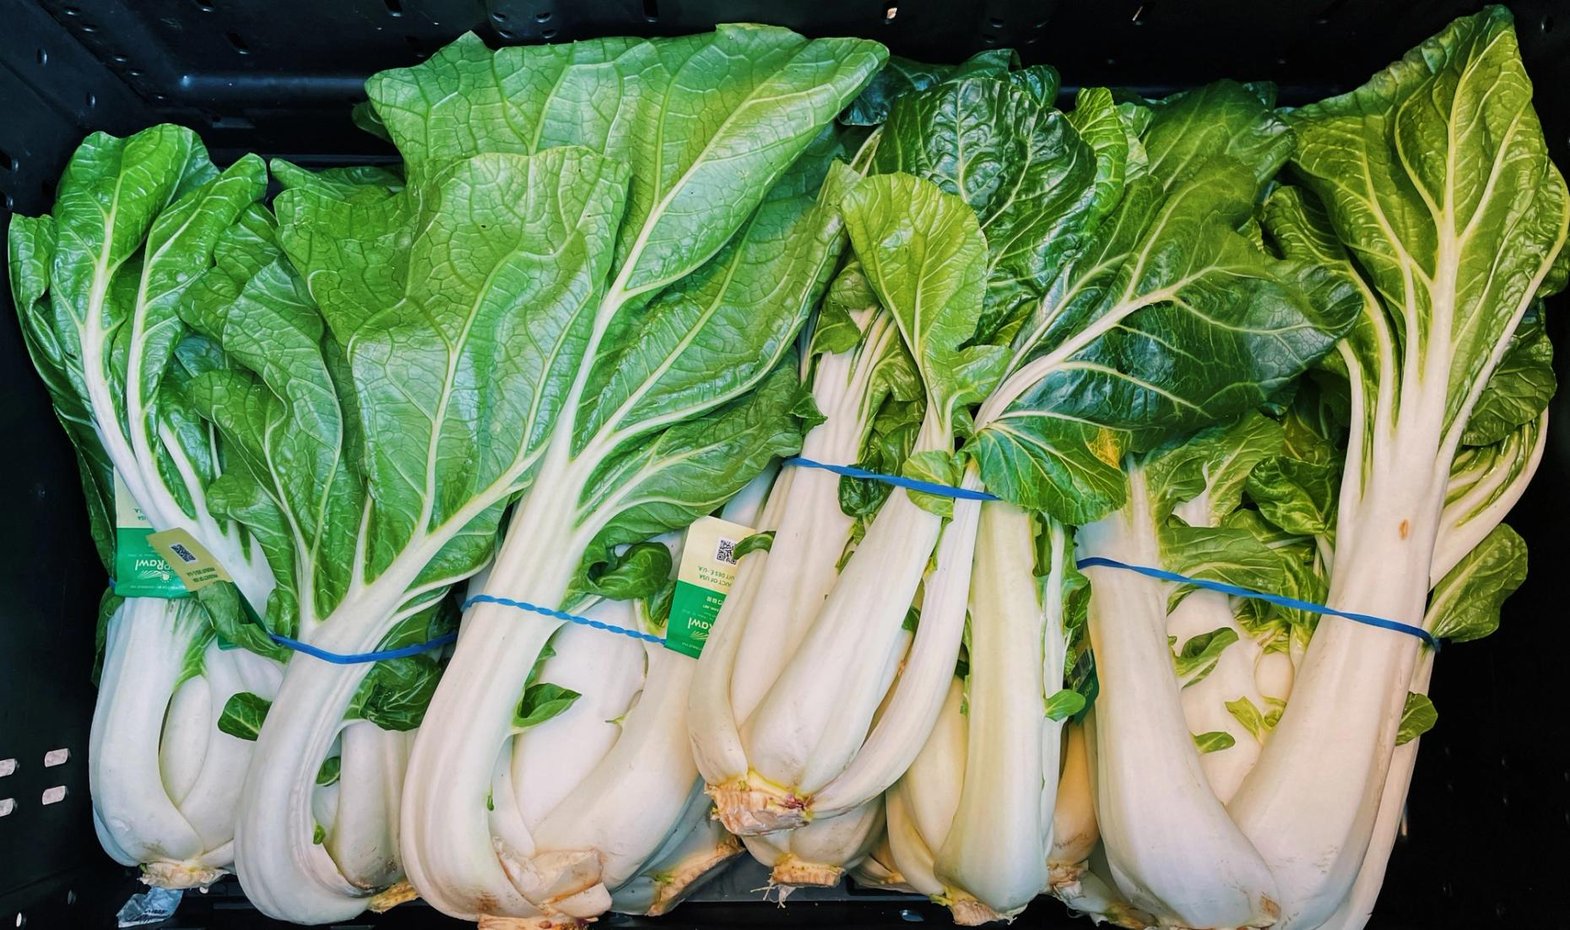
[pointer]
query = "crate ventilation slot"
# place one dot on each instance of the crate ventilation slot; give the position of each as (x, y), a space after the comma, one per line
(56, 757)
(53, 795)
(7, 766)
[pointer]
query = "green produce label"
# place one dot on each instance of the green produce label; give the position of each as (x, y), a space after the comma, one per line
(139, 571)
(708, 566)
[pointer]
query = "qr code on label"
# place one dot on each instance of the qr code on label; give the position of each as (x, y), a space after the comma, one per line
(726, 551)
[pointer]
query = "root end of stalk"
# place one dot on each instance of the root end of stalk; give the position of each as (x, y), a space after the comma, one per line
(793, 872)
(179, 875)
(563, 883)
(1129, 918)
(676, 887)
(746, 810)
(392, 896)
(968, 912)
(1064, 877)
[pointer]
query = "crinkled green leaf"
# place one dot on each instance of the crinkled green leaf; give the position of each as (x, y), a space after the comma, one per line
(893, 436)
(1214, 741)
(541, 702)
(1257, 721)
(31, 245)
(243, 714)
(396, 692)
(330, 772)
(757, 542)
(364, 116)
(923, 253)
(1418, 716)
(638, 572)
(1064, 704)
(902, 76)
(713, 335)
(1020, 165)
(498, 232)
(1519, 389)
(685, 115)
(1168, 321)
(1465, 603)
(1237, 555)
(1436, 176)
(695, 466)
(940, 468)
(1197, 657)
(1298, 496)
(1190, 130)
(136, 222)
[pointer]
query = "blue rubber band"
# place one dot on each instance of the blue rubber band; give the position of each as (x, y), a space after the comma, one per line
(1222, 587)
(338, 658)
(909, 484)
(560, 615)
(357, 658)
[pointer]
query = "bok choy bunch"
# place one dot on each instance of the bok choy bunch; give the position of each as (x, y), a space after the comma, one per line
(664, 385)
(97, 284)
(1438, 191)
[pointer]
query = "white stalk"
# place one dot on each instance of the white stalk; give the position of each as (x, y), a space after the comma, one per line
(363, 837)
(629, 803)
(550, 759)
(1354, 912)
(913, 708)
(776, 599)
(1074, 831)
(1054, 670)
(921, 805)
(284, 873)
(713, 727)
(818, 853)
(815, 718)
(1204, 701)
(449, 851)
(806, 556)
(1485, 498)
(690, 856)
(183, 746)
(1094, 897)
(147, 642)
(878, 870)
(214, 795)
(1170, 844)
(1310, 802)
(995, 852)
(1275, 670)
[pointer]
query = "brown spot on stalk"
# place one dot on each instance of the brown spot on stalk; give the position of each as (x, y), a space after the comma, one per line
(1406, 528)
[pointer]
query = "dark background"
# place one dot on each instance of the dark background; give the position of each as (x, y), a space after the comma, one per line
(1489, 812)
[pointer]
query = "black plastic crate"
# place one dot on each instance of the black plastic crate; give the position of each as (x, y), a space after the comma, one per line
(1489, 810)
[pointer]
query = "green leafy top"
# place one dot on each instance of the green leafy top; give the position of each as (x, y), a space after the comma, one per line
(98, 284)
(1436, 178)
(534, 280)
(923, 252)
(696, 119)
(1032, 175)
(1168, 319)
